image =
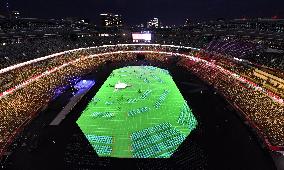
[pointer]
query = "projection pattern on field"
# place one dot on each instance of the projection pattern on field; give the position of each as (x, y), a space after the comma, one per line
(137, 113)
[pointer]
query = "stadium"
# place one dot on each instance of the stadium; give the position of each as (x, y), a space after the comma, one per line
(146, 85)
(110, 105)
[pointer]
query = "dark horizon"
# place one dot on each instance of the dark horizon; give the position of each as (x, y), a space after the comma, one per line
(169, 12)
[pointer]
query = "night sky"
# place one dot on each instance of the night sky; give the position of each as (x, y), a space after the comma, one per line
(135, 12)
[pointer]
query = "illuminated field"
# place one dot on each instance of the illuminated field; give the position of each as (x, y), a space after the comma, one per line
(146, 119)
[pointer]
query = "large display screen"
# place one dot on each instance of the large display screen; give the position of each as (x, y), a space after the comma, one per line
(142, 36)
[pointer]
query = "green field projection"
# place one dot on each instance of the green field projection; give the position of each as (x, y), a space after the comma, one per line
(137, 113)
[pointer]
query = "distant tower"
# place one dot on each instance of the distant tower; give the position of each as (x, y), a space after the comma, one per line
(7, 5)
(4, 8)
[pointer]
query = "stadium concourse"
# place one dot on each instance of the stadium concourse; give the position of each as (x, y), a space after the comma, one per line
(26, 88)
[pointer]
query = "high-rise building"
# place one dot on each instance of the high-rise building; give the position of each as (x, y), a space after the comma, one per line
(111, 20)
(187, 22)
(154, 23)
(15, 14)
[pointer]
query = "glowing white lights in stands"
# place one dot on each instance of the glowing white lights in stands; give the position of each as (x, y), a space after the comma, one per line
(237, 77)
(104, 35)
(276, 98)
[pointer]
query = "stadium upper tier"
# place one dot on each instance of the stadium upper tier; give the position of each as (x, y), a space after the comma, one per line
(27, 87)
(251, 51)
(14, 75)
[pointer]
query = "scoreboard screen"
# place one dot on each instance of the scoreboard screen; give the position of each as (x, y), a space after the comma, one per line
(141, 36)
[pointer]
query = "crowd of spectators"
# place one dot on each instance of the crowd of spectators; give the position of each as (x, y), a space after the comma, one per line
(256, 106)
(11, 54)
(245, 69)
(19, 107)
(234, 48)
(27, 50)
(250, 51)
(269, 59)
(17, 76)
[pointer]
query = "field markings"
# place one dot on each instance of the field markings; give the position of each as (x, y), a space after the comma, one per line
(121, 126)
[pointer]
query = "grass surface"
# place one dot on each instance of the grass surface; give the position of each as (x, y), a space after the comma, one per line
(151, 98)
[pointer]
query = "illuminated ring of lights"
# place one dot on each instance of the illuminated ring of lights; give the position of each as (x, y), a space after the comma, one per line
(224, 71)
(196, 59)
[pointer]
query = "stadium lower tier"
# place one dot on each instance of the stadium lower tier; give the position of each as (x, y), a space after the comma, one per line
(263, 114)
(220, 140)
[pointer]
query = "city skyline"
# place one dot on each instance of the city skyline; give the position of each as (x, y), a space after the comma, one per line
(169, 12)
